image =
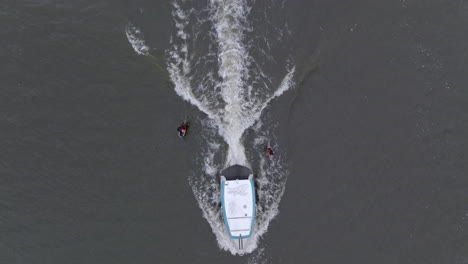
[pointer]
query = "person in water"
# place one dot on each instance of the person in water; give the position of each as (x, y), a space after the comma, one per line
(270, 152)
(182, 128)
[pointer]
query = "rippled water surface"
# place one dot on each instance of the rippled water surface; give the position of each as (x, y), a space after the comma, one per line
(365, 104)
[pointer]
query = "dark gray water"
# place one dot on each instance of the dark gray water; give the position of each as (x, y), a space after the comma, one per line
(371, 139)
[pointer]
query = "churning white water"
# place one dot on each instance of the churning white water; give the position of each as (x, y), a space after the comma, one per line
(210, 66)
(135, 37)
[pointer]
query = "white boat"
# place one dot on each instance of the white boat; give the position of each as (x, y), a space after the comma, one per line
(238, 202)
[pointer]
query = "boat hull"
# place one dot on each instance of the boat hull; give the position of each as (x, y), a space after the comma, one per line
(238, 201)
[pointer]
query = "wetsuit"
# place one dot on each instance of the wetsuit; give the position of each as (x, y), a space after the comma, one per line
(182, 128)
(270, 152)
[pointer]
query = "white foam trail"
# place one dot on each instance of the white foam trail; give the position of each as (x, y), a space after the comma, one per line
(229, 20)
(135, 37)
(232, 106)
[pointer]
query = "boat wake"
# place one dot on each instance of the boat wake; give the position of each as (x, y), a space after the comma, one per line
(217, 63)
(135, 38)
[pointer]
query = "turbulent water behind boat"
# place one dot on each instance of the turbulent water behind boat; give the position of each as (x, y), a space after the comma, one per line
(371, 136)
(227, 83)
